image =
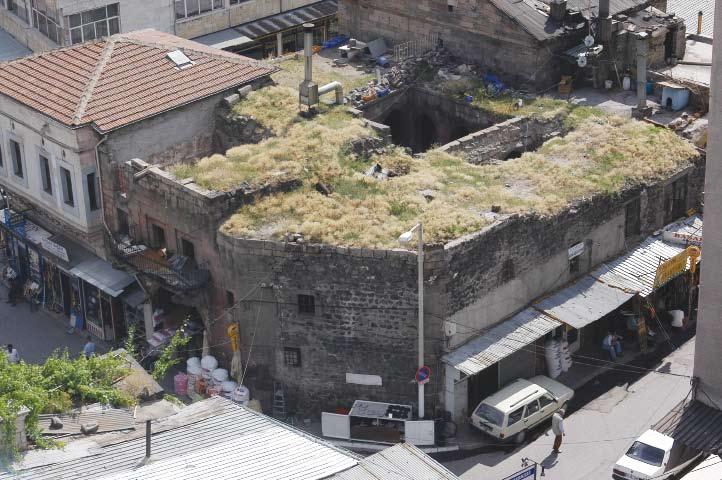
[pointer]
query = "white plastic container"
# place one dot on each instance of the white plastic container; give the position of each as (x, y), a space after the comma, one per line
(228, 387)
(219, 375)
(193, 362)
(626, 82)
(608, 84)
(208, 364)
(241, 395)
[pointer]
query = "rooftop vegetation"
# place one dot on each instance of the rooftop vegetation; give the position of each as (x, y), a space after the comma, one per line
(603, 154)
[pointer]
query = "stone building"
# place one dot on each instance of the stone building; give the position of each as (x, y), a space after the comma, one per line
(527, 43)
(85, 108)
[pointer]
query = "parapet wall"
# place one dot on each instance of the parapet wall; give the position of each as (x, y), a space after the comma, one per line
(506, 140)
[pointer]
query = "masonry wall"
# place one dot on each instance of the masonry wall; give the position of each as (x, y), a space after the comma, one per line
(475, 31)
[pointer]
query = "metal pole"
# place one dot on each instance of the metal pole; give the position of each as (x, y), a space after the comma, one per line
(421, 316)
(147, 438)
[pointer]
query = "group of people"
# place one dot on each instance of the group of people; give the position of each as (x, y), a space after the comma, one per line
(13, 355)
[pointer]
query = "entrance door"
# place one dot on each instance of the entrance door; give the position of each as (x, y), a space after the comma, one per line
(65, 289)
(482, 385)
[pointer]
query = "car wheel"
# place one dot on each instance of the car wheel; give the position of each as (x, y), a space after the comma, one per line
(520, 437)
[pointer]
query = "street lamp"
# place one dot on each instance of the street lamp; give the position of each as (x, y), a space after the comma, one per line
(405, 238)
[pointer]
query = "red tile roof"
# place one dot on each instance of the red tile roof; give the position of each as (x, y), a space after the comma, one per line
(122, 79)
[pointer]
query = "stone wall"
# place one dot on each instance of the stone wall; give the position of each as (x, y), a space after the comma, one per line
(507, 139)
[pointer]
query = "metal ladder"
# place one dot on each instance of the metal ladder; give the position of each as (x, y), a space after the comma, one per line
(279, 401)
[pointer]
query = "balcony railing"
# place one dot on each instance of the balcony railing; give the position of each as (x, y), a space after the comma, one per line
(177, 272)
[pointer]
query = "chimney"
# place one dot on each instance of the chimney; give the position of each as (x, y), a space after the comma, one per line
(603, 8)
(308, 90)
(558, 10)
(642, 70)
(699, 22)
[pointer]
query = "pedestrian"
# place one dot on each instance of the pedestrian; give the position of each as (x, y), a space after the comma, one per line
(12, 353)
(612, 344)
(89, 348)
(558, 429)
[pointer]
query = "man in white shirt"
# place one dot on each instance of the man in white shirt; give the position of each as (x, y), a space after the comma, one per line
(12, 353)
(558, 429)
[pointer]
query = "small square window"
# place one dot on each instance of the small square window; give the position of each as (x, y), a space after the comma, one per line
(189, 250)
(632, 218)
(158, 236)
(230, 299)
(306, 304)
(292, 357)
(45, 173)
(92, 191)
(67, 178)
(17, 156)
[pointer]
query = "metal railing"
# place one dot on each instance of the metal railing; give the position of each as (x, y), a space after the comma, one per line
(416, 47)
(177, 273)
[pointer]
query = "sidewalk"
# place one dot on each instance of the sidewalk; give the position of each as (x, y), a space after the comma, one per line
(37, 334)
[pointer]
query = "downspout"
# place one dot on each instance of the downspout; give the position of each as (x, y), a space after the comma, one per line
(100, 183)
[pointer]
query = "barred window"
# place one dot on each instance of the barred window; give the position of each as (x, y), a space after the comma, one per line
(292, 357)
(192, 8)
(45, 19)
(306, 304)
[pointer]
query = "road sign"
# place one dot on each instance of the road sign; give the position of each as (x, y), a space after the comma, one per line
(423, 375)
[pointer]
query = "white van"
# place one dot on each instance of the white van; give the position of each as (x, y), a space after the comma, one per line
(654, 455)
(519, 406)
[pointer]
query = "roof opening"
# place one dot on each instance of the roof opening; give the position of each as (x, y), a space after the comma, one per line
(180, 59)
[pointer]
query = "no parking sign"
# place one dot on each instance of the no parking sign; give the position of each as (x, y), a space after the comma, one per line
(423, 375)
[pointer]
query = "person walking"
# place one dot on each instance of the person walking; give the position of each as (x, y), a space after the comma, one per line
(12, 353)
(89, 348)
(558, 429)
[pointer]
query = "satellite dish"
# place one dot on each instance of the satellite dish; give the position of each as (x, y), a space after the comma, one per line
(588, 41)
(582, 61)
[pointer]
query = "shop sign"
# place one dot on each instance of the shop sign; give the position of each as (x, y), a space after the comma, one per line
(57, 250)
(683, 238)
(527, 473)
(576, 250)
(671, 268)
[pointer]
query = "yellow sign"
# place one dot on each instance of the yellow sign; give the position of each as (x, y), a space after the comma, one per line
(671, 268)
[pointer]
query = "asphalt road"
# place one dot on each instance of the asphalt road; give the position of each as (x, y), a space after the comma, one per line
(604, 419)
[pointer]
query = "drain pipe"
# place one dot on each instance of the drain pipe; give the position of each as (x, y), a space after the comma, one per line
(100, 183)
(331, 87)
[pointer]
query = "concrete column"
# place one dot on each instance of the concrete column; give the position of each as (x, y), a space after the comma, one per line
(279, 44)
(642, 70)
(709, 323)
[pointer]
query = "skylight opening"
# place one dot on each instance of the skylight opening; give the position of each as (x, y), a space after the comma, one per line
(179, 59)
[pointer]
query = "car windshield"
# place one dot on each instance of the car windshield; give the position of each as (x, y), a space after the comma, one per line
(646, 453)
(490, 414)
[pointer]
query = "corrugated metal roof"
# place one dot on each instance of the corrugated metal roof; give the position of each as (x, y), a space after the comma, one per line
(291, 19)
(583, 302)
(688, 9)
(531, 19)
(510, 336)
(100, 273)
(695, 425)
(214, 438)
(400, 462)
(108, 420)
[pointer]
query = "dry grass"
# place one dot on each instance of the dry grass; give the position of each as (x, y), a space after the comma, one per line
(292, 71)
(603, 154)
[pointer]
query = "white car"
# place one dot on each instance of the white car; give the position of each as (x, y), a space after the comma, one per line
(654, 455)
(519, 406)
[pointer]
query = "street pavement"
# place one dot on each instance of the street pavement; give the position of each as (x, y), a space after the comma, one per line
(600, 431)
(36, 334)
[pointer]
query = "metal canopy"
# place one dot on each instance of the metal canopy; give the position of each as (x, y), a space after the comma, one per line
(224, 39)
(695, 425)
(584, 302)
(510, 336)
(287, 20)
(101, 274)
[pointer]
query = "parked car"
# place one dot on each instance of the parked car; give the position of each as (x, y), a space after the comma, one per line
(509, 413)
(654, 455)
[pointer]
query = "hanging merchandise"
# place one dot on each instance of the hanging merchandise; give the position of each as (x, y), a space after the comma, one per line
(236, 368)
(566, 356)
(553, 358)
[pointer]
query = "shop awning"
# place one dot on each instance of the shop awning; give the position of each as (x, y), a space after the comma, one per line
(290, 19)
(583, 302)
(101, 274)
(514, 334)
(695, 425)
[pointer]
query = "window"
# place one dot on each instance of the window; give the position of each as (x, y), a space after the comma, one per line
(531, 409)
(92, 191)
(631, 218)
(514, 416)
(158, 236)
(189, 250)
(490, 414)
(646, 453)
(679, 198)
(545, 401)
(67, 180)
(191, 8)
(19, 8)
(230, 299)
(45, 174)
(17, 156)
(575, 265)
(45, 19)
(2, 164)
(92, 24)
(306, 304)
(292, 357)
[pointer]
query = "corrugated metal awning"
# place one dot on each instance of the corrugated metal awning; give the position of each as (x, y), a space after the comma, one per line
(695, 425)
(510, 336)
(287, 20)
(101, 274)
(400, 462)
(584, 302)
(224, 39)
